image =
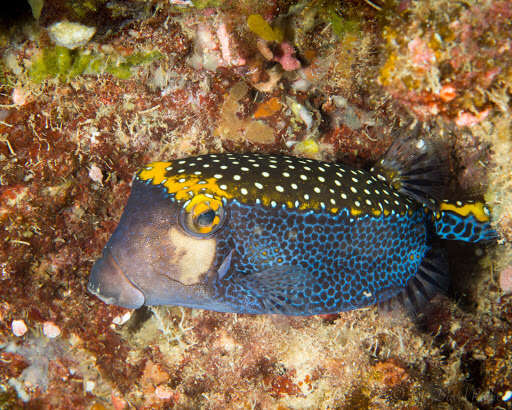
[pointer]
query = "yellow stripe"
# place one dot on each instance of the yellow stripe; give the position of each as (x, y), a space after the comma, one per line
(478, 209)
(189, 188)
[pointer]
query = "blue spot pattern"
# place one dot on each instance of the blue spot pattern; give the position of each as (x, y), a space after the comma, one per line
(451, 225)
(340, 262)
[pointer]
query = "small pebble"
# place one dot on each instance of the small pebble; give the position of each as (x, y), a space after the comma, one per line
(95, 174)
(70, 35)
(19, 328)
(89, 386)
(51, 330)
(163, 392)
(122, 319)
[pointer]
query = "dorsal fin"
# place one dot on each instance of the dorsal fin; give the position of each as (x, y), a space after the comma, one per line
(413, 165)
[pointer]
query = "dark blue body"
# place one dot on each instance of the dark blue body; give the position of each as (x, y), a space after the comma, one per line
(326, 262)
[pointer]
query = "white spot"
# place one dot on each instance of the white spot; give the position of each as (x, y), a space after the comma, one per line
(258, 185)
(244, 191)
(386, 192)
(168, 168)
(192, 164)
(89, 386)
(339, 174)
(306, 197)
(181, 180)
(377, 191)
(507, 395)
(286, 174)
(218, 176)
(420, 144)
(122, 319)
(196, 173)
(353, 172)
(458, 203)
(337, 182)
(303, 177)
(368, 202)
(265, 174)
(18, 327)
(180, 171)
(353, 189)
(273, 204)
(206, 165)
(297, 204)
(333, 201)
(321, 179)
(307, 168)
(181, 162)
(321, 169)
(279, 188)
(294, 186)
(355, 179)
(235, 162)
(50, 330)
(237, 177)
(331, 190)
(316, 189)
(245, 169)
(256, 165)
(223, 167)
(357, 203)
(322, 205)
(291, 166)
(366, 192)
(223, 187)
(272, 166)
(396, 202)
(381, 177)
(344, 196)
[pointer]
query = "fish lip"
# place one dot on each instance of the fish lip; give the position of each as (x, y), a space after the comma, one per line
(109, 283)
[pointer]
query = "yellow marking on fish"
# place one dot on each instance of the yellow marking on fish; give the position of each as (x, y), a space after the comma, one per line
(376, 212)
(184, 186)
(155, 171)
(477, 209)
(355, 211)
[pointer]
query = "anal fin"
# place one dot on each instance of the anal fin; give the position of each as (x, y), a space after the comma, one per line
(432, 278)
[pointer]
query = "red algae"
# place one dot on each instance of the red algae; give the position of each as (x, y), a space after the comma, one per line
(69, 148)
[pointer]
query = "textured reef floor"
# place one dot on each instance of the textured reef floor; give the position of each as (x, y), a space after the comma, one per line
(164, 79)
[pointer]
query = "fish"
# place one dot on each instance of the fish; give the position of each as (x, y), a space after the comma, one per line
(276, 234)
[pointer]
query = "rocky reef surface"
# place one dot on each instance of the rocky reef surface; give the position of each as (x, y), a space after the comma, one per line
(91, 91)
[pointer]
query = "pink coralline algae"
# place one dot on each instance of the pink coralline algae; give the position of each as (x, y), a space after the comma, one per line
(287, 59)
(506, 280)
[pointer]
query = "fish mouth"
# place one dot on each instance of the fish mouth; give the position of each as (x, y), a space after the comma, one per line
(110, 284)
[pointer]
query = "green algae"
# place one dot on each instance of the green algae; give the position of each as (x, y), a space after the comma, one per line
(202, 4)
(259, 26)
(36, 6)
(340, 26)
(60, 62)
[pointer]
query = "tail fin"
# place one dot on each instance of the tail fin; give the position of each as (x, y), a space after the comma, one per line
(468, 221)
(413, 165)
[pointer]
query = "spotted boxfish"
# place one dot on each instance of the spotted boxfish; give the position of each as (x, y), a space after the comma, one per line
(254, 233)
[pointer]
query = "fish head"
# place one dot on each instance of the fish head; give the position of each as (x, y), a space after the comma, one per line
(163, 250)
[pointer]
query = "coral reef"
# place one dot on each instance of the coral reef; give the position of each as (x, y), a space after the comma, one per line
(319, 78)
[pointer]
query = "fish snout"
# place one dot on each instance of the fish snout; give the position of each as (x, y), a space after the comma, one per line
(109, 283)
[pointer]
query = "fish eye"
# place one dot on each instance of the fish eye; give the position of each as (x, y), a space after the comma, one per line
(206, 218)
(203, 218)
